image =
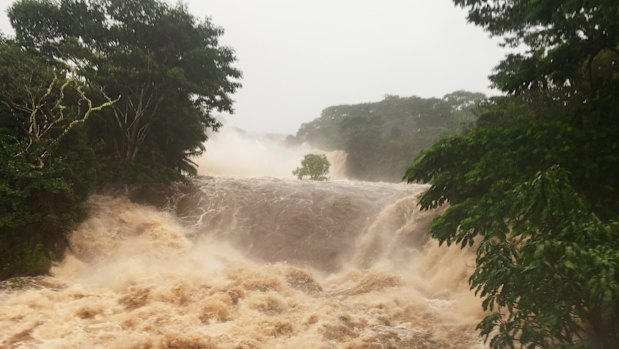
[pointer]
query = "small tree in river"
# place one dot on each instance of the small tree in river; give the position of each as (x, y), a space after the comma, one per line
(313, 165)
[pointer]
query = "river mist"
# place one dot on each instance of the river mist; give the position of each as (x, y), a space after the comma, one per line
(241, 262)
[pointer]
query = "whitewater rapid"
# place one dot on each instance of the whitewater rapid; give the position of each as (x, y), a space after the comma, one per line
(250, 263)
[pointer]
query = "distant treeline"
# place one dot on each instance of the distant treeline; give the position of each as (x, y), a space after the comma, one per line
(382, 138)
(93, 94)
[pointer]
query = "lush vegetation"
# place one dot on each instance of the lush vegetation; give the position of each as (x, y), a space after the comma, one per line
(382, 138)
(535, 185)
(95, 93)
(314, 166)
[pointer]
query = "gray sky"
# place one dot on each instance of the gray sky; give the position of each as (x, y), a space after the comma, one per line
(301, 56)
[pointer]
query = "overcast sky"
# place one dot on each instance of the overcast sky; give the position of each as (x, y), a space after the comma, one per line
(301, 56)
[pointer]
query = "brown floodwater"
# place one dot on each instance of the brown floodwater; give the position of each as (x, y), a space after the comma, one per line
(251, 263)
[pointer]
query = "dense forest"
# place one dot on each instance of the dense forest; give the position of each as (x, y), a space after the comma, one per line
(382, 138)
(91, 96)
(535, 184)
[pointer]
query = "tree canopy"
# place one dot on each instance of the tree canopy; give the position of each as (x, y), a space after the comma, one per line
(96, 93)
(534, 184)
(314, 166)
(165, 66)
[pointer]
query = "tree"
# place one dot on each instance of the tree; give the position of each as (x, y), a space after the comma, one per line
(93, 93)
(572, 47)
(40, 102)
(509, 190)
(47, 167)
(535, 184)
(313, 165)
(159, 60)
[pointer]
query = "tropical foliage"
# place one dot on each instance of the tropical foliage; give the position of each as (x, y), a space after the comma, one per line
(166, 68)
(314, 166)
(96, 93)
(535, 184)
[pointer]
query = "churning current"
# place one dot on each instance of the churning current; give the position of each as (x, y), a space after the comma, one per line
(251, 263)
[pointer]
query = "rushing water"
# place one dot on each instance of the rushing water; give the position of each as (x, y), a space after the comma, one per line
(233, 152)
(251, 263)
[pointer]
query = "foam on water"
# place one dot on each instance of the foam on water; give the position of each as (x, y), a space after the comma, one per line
(251, 263)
